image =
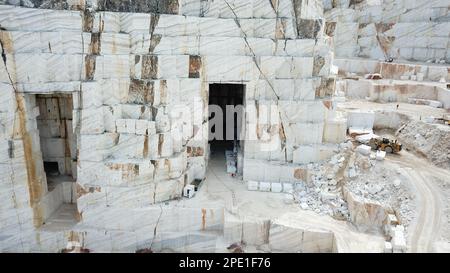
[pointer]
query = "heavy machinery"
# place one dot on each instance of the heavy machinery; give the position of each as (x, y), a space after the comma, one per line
(385, 144)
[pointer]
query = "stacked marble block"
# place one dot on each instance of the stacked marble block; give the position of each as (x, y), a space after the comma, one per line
(411, 30)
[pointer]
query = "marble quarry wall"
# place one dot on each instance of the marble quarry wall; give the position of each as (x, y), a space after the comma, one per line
(414, 30)
(138, 77)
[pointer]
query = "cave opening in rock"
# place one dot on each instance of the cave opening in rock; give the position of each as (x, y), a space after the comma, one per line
(225, 119)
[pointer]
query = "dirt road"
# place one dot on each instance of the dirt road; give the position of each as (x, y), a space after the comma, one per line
(426, 228)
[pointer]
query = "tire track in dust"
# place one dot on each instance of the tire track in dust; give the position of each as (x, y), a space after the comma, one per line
(426, 227)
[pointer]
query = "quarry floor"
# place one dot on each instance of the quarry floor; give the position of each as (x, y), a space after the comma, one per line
(243, 203)
(429, 231)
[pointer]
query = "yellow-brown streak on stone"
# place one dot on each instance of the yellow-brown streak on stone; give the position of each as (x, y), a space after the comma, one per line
(34, 184)
(114, 47)
(95, 45)
(145, 152)
(149, 68)
(163, 91)
(280, 29)
(203, 219)
(80, 190)
(73, 236)
(79, 216)
(90, 66)
(301, 174)
(167, 163)
(195, 65)
(7, 45)
(101, 24)
(87, 20)
(160, 142)
(38, 238)
(327, 104)
(194, 151)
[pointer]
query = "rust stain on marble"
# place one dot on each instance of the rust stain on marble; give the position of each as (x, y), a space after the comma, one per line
(203, 219)
(34, 183)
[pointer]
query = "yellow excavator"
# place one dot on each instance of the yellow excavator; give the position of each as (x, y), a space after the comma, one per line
(385, 144)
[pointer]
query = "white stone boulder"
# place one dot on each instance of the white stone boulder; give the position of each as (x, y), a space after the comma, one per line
(252, 185)
(363, 149)
(381, 155)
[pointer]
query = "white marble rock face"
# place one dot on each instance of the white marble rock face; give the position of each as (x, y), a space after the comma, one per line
(405, 30)
(139, 83)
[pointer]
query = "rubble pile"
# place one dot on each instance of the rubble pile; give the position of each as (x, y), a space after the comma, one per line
(429, 140)
(322, 193)
(366, 176)
(374, 180)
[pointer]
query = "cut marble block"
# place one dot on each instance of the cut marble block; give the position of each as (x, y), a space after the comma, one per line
(335, 130)
(222, 46)
(232, 229)
(255, 231)
(313, 153)
(360, 119)
(277, 187)
(228, 27)
(285, 238)
(141, 127)
(301, 112)
(133, 22)
(115, 44)
(174, 25)
(366, 215)
(286, 67)
(17, 18)
(264, 186)
(91, 96)
(208, 219)
(363, 149)
(92, 121)
(185, 242)
(253, 185)
(198, 165)
(161, 67)
(341, 15)
(112, 66)
(110, 115)
(115, 173)
(381, 155)
(287, 234)
(168, 45)
(47, 67)
(128, 146)
(286, 89)
(288, 173)
(96, 147)
(167, 190)
(266, 28)
(298, 48)
(305, 133)
(288, 187)
(226, 68)
(67, 42)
